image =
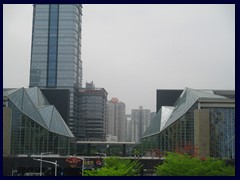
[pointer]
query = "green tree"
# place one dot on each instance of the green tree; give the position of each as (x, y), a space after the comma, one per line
(114, 166)
(185, 165)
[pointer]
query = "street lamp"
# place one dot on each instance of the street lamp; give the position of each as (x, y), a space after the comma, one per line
(41, 161)
(50, 162)
(82, 163)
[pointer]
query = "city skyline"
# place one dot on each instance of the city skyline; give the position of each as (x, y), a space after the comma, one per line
(178, 46)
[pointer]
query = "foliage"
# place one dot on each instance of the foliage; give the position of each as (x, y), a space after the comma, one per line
(184, 165)
(114, 166)
(137, 150)
(114, 151)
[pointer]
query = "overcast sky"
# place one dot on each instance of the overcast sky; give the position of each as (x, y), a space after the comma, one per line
(132, 50)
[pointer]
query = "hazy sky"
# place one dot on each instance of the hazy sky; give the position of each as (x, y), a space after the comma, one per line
(132, 50)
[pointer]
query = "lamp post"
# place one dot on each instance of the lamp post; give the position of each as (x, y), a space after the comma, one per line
(82, 163)
(56, 168)
(41, 161)
(50, 162)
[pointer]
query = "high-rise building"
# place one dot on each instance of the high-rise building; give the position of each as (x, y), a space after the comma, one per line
(92, 122)
(116, 119)
(110, 118)
(129, 128)
(140, 119)
(56, 52)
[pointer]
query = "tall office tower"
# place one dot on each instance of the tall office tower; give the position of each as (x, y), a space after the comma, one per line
(129, 128)
(92, 122)
(56, 52)
(141, 119)
(110, 118)
(116, 119)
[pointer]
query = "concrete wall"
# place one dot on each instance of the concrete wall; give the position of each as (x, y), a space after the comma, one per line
(202, 132)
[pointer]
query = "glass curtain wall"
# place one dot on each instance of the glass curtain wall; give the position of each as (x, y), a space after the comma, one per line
(28, 137)
(222, 132)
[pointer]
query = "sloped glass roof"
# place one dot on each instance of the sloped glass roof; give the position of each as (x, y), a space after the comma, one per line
(52, 119)
(166, 112)
(168, 115)
(186, 101)
(154, 126)
(37, 97)
(46, 112)
(158, 121)
(16, 96)
(33, 104)
(23, 102)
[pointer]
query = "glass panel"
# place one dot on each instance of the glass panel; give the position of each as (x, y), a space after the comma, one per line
(52, 46)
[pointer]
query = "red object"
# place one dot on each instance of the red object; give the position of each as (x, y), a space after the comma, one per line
(73, 162)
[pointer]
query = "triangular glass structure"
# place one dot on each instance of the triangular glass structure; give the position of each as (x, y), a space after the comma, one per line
(186, 100)
(37, 97)
(23, 102)
(16, 97)
(32, 103)
(168, 115)
(54, 121)
(158, 121)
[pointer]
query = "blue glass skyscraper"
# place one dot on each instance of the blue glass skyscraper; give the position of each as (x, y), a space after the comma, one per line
(56, 52)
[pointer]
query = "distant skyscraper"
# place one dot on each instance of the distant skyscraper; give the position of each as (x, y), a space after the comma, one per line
(56, 52)
(140, 119)
(110, 118)
(129, 128)
(93, 113)
(116, 119)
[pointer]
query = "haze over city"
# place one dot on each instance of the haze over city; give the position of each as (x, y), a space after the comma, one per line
(132, 50)
(119, 90)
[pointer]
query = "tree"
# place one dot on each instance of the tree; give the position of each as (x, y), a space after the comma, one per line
(114, 166)
(185, 165)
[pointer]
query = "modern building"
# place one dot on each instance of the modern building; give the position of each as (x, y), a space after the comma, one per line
(56, 53)
(129, 128)
(93, 118)
(110, 138)
(116, 112)
(167, 97)
(201, 122)
(110, 118)
(31, 125)
(52, 95)
(140, 121)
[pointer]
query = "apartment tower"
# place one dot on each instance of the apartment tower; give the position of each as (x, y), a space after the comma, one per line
(116, 125)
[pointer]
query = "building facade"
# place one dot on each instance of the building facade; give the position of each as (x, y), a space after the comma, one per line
(167, 97)
(129, 128)
(32, 125)
(140, 121)
(116, 112)
(93, 114)
(201, 122)
(56, 52)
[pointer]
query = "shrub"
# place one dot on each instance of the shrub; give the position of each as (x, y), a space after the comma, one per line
(184, 165)
(114, 166)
